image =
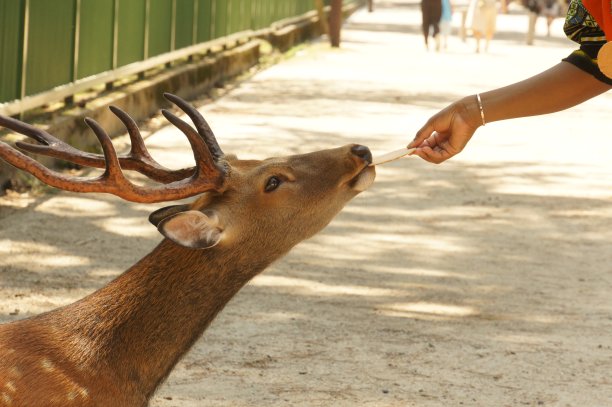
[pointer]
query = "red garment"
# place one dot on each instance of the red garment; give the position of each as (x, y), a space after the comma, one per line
(601, 10)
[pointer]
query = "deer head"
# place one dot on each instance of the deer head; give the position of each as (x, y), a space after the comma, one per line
(120, 342)
(240, 203)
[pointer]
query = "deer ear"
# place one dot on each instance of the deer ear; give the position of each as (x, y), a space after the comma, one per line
(166, 212)
(191, 229)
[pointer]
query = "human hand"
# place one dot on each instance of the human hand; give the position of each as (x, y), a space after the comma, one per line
(447, 132)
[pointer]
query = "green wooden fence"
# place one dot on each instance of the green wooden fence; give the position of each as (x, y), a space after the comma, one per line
(47, 43)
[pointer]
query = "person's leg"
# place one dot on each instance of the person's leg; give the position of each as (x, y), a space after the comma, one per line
(426, 12)
(533, 17)
(549, 21)
(491, 17)
(436, 34)
(463, 29)
(436, 15)
(477, 36)
(444, 33)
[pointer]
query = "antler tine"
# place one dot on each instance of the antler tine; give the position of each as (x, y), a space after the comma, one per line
(23, 162)
(200, 124)
(113, 168)
(139, 159)
(49, 177)
(26, 129)
(49, 145)
(138, 148)
(205, 162)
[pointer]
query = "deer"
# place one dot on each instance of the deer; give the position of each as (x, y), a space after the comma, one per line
(116, 346)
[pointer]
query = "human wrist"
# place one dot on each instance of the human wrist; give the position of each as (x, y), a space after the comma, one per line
(471, 109)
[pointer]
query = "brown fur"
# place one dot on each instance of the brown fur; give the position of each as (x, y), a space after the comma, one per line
(115, 346)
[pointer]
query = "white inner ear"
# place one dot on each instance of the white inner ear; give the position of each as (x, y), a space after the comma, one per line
(192, 229)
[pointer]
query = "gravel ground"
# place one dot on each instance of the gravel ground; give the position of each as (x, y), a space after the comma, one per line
(482, 282)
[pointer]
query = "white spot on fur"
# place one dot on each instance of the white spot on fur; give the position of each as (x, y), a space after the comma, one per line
(47, 365)
(78, 392)
(7, 399)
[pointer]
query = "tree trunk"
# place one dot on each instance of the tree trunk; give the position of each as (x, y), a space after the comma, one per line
(370, 5)
(335, 22)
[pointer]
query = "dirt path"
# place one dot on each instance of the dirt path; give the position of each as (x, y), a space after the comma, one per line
(483, 282)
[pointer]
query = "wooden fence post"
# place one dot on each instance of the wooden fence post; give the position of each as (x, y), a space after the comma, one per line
(335, 22)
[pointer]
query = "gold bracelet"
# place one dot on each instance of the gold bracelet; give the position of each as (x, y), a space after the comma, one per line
(481, 109)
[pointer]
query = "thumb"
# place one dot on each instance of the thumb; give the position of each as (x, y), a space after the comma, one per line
(422, 134)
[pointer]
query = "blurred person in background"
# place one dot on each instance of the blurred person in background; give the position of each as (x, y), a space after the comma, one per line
(482, 16)
(549, 9)
(445, 22)
(431, 11)
(462, 6)
(533, 11)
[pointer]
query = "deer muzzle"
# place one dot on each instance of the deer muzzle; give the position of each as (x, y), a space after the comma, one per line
(366, 175)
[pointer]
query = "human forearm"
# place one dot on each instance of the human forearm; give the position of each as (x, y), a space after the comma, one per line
(558, 88)
(447, 132)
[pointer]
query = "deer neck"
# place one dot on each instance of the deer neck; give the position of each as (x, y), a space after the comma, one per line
(140, 324)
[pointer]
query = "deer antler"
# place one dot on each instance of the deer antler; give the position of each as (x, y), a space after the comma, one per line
(208, 174)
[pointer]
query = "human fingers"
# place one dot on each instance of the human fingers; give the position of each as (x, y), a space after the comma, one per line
(440, 122)
(434, 140)
(434, 155)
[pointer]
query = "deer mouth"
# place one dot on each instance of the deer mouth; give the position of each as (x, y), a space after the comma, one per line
(363, 180)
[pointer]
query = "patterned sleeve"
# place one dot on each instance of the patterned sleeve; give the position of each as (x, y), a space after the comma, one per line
(582, 28)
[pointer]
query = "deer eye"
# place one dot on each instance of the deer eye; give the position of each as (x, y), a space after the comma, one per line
(272, 184)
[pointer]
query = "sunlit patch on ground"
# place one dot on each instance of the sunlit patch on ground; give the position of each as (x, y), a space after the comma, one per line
(41, 254)
(424, 310)
(133, 227)
(69, 206)
(308, 287)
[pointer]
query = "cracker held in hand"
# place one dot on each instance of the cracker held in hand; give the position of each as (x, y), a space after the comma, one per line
(392, 156)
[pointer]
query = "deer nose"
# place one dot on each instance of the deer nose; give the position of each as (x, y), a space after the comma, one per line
(362, 152)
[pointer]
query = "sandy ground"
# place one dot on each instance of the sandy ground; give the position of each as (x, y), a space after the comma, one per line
(482, 282)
